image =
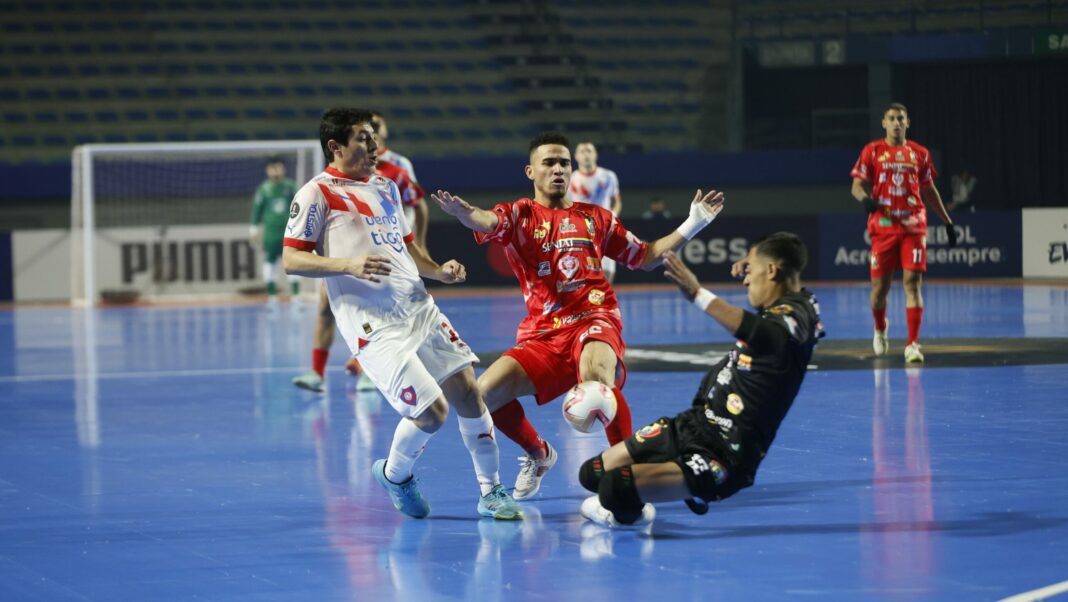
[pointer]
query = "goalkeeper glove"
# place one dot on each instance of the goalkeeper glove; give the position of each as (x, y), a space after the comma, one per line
(869, 204)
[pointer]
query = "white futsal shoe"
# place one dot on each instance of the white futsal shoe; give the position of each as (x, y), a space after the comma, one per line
(913, 355)
(879, 343)
(531, 472)
(593, 510)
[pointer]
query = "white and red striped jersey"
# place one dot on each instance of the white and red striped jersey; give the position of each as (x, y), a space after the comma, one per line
(597, 188)
(336, 216)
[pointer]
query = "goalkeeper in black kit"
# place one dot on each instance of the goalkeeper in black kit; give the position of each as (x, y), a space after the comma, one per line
(710, 451)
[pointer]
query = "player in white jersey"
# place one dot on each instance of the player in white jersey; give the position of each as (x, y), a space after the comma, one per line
(346, 227)
(596, 186)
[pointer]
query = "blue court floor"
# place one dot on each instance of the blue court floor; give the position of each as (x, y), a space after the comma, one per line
(162, 454)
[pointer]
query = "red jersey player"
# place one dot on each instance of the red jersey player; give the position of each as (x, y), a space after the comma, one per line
(892, 179)
(572, 332)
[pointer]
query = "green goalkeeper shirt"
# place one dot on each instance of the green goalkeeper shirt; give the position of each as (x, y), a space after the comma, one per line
(270, 209)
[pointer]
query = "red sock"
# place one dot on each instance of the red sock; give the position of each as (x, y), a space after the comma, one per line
(880, 318)
(511, 420)
(915, 318)
(621, 427)
(319, 360)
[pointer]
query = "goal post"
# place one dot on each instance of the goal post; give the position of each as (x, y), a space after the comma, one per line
(164, 220)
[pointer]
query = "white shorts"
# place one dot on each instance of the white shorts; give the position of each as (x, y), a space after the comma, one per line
(409, 360)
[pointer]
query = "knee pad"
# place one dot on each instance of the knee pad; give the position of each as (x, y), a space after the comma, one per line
(591, 472)
(618, 494)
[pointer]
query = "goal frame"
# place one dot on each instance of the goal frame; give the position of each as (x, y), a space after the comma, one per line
(83, 200)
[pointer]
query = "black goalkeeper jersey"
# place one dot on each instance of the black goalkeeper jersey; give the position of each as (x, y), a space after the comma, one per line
(747, 395)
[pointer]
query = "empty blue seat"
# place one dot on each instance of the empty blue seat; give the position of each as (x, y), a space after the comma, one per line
(206, 136)
(443, 134)
(23, 140)
(118, 69)
(312, 112)
(197, 114)
(247, 91)
(177, 137)
(418, 89)
(304, 90)
(124, 93)
(84, 139)
(472, 134)
(157, 92)
(447, 89)
(116, 138)
(163, 114)
(177, 69)
(274, 91)
(148, 69)
(98, 93)
(225, 113)
(292, 67)
(284, 113)
(217, 91)
(39, 94)
(139, 115)
(188, 92)
(488, 111)
(361, 90)
(89, 70)
(16, 118)
(76, 117)
(321, 68)
(146, 137)
(502, 133)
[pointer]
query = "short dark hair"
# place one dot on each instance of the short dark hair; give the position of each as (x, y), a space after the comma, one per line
(275, 159)
(336, 124)
(896, 106)
(786, 249)
(549, 138)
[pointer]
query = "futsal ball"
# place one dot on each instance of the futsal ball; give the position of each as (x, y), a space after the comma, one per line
(589, 406)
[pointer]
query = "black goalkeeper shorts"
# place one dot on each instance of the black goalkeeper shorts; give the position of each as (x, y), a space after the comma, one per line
(687, 441)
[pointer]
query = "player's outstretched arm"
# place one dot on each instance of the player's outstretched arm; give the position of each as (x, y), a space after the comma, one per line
(703, 209)
(450, 272)
(474, 218)
(729, 316)
(305, 263)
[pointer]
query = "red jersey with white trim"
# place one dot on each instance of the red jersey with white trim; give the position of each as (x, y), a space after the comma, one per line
(337, 216)
(556, 256)
(597, 188)
(896, 175)
(411, 193)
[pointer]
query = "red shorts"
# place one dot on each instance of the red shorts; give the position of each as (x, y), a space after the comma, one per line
(551, 358)
(893, 252)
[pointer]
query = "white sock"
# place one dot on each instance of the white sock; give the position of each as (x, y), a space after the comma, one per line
(409, 441)
(270, 270)
(481, 442)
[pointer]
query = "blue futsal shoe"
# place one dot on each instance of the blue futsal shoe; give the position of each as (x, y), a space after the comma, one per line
(406, 496)
(499, 504)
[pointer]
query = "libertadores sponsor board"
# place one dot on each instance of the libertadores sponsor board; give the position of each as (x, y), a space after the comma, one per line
(174, 260)
(1045, 243)
(988, 246)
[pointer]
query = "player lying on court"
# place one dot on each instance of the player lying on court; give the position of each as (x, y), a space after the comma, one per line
(573, 329)
(713, 449)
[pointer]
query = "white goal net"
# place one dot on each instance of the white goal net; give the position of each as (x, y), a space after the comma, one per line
(167, 220)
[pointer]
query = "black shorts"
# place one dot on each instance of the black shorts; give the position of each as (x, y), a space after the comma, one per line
(687, 441)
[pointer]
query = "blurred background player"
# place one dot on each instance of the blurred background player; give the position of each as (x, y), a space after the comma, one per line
(323, 338)
(347, 227)
(416, 211)
(710, 451)
(573, 329)
(270, 212)
(596, 186)
(892, 179)
(657, 210)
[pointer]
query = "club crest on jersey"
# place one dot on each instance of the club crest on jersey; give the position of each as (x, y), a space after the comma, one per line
(568, 265)
(542, 231)
(566, 227)
(900, 156)
(294, 210)
(407, 395)
(735, 405)
(781, 310)
(544, 268)
(648, 432)
(596, 297)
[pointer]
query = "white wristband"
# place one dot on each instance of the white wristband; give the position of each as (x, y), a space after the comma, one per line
(704, 298)
(691, 227)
